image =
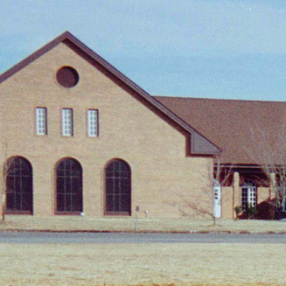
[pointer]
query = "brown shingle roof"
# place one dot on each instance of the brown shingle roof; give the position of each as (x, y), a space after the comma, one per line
(229, 124)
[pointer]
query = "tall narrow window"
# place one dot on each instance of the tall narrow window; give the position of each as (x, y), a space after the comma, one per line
(41, 121)
(248, 196)
(284, 205)
(92, 123)
(19, 185)
(280, 197)
(69, 186)
(67, 122)
(118, 188)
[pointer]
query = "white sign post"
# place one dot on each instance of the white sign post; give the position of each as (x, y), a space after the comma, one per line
(217, 199)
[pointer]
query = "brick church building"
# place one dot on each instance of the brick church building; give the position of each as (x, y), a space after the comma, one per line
(78, 136)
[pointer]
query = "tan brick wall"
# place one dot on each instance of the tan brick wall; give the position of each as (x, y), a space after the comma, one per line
(263, 194)
(227, 202)
(162, 176)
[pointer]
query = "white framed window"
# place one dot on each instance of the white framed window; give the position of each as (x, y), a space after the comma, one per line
(283, 205)
(41, 120)
(280, 198)
(67, 122)
(92, 122)
(249, 196)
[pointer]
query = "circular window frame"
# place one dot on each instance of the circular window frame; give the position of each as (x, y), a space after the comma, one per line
(67, 77)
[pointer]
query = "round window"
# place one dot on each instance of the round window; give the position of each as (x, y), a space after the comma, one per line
(67, 77)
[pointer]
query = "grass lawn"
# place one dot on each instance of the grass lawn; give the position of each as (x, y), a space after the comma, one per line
(141, 264)
(77, 223)
(146, 264)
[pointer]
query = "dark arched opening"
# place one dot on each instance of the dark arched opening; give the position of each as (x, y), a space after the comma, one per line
(19, 185)
(117, 188)
(69, 187)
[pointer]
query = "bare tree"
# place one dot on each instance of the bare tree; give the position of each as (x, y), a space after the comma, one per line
(6, 171)
(268, 151)
(219, 176)
(203, 202)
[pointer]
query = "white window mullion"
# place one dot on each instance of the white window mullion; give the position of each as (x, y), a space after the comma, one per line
(92, 122)
(67, 122)
(41, 121)
(252, 196)
(283, 205)
(249, 194)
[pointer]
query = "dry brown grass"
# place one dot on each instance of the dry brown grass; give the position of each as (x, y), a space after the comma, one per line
(150, 264)
(146, 264)
(70, 223)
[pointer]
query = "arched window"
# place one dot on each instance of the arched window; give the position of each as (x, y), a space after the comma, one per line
(19, 185)
(69, 187)
(248, 195)
(117, 188)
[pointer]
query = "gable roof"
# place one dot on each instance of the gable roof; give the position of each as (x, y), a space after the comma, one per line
(199, 145)
(232, 125)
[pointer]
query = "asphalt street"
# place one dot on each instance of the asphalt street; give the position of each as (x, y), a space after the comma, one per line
(136, 238)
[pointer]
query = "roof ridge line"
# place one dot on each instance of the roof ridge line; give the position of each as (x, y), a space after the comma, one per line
(219, 99)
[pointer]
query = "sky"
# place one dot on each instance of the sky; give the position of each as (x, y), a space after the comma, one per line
(227, 49)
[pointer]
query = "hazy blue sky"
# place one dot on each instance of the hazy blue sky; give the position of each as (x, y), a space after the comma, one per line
(195, 48)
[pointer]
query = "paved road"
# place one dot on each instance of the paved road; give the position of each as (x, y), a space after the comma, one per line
(137, 238)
